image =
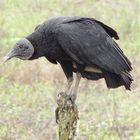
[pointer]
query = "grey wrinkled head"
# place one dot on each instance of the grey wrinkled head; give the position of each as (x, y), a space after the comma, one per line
(23, 49)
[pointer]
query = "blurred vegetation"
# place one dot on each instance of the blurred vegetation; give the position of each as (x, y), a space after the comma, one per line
(29, 88)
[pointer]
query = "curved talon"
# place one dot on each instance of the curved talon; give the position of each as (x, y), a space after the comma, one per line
(71, 97)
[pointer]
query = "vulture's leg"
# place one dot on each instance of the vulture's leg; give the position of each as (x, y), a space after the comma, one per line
(72, 92)
(72, 84)
(70, 81)
(67, 68)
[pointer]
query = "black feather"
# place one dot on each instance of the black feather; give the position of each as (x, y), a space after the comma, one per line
(113, 80)
(109, 30)
(91, 45)
(85, 41)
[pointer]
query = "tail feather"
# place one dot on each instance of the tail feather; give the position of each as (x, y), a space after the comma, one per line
(127, 78)
(113, 80)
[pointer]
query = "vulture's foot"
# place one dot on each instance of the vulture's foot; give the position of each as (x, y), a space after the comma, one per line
(71, 97)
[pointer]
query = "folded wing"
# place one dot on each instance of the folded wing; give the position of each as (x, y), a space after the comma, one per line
(88, 43)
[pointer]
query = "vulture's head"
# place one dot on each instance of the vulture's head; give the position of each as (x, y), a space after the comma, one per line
(23, 49)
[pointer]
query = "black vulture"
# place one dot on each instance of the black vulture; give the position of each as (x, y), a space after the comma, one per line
(81, 45)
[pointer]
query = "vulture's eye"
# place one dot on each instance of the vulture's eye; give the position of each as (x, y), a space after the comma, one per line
(23, 48)
(20, 47)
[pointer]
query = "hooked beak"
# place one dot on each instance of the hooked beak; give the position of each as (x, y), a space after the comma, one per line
(10, 55)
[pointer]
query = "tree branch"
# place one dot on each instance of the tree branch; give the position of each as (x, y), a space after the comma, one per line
(66, 117)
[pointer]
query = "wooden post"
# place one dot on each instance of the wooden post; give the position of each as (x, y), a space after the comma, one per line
(66, 117)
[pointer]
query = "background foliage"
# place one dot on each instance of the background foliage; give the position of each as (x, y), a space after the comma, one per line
(29, 88)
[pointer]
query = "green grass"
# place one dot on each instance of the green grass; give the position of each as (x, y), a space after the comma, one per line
(28, 112)
(28, 89)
